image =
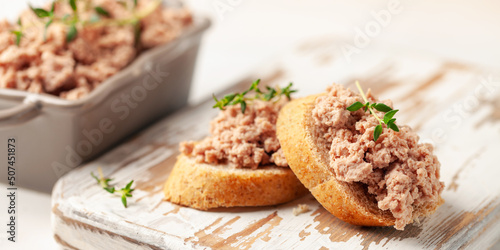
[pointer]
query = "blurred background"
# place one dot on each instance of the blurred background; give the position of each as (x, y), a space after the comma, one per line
(254, 31)
(247, 33)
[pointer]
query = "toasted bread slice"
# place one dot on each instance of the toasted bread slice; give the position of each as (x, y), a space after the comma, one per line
(349, 202)
(204, 186)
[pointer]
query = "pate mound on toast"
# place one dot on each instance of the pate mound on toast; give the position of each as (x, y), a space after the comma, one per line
(390, 181)
(240, 164)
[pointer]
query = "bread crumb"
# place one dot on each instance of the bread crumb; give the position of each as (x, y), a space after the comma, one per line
(416, 221)
(300, 209)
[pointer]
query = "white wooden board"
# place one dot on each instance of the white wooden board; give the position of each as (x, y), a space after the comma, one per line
(454, 106)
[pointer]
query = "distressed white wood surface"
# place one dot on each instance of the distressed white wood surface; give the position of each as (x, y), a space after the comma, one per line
(452, 105)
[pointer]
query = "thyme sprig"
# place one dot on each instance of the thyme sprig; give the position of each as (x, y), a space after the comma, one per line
(104, 183)
(265, 95)
(18, 33)
(100, 17)
(388, 119)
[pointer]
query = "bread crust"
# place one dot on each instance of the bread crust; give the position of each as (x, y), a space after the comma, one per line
(204, 186)
(348, 202)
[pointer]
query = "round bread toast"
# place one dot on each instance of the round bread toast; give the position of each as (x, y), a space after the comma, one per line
(349, 202)
(204, 186)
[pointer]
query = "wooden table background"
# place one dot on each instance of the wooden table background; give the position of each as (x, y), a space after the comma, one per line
(452, 105)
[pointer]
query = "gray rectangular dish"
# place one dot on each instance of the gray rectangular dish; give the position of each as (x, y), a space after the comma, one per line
(55, 135)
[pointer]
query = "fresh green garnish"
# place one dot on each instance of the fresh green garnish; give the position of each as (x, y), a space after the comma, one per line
(126, 192)
(101, 11)
(74, 21)
(18, 33)
(72, 3)
(44, 14)
(104, 183)
(71, 33)
(267, 95)
(388, 119)
(41, 13)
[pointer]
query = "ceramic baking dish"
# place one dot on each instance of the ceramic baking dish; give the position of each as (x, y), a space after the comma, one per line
(53, 135)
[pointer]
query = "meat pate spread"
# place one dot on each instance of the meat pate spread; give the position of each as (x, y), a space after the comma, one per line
(241, 140)
(44, 62)
(401, 173)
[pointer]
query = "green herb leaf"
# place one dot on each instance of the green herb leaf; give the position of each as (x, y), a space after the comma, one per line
(229, 97)
(124, 200)
(18, 35)
(102, 11)
(355, 106)
(377, 132)
(287, 91)
(239, 98)
(95, 177)
(393, 126)
(126, 192)
(135, 3)
(218, 104)
(269, 95)
(104, 183)
(255, 86)
(243, 107)
(72, 3)
(18, 39)
(387, 119)
(46, 28)
(19, 22)
(41, 13)
(129, 185)
(53, 7)
(388, 116)
(71, 33)
(48, 23)
(382, 107)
